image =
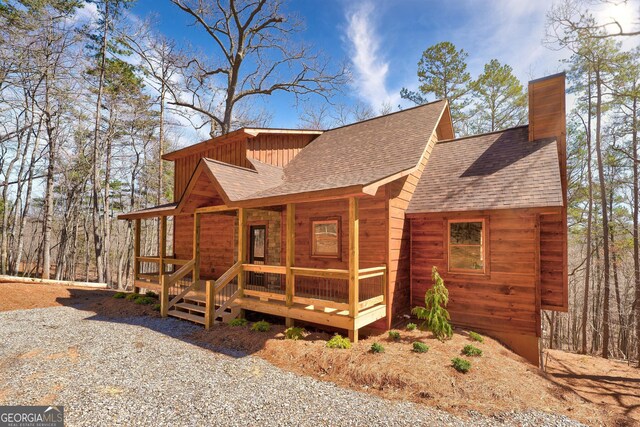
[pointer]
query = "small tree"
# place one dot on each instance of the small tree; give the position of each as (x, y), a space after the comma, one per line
(435, 315)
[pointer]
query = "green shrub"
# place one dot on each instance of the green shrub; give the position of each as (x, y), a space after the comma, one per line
(434, 313)
(470, 350)
(294, 333)
(377, 348)
(156, 307)
(394, 335)
(461, 365)
(476, 336)
(144, 300)
(238, 322)
(420, 347)
(132, 296)
(337, 341)
(412, 327)
(120, 295)
(261, 326)
(151, 294)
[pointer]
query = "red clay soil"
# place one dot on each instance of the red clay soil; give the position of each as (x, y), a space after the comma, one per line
(614, 385)
(23, 296)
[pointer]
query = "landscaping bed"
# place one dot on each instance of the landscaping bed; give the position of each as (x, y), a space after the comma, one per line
(498, 381)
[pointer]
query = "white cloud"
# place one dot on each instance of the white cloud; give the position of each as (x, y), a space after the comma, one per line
(370, 67)
(87, 13)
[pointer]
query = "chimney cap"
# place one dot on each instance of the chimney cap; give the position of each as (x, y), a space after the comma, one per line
(552, 76)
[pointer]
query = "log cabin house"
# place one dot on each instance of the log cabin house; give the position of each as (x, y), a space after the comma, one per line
(342, 227)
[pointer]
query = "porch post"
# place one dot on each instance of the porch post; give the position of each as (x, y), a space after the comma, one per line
(354, 266)
(136, 254)
(242, 247)
(162, 252)
(196, 247)
(290, 258)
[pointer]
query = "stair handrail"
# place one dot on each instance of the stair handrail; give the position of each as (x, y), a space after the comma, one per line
(212, 288)
(171, 280)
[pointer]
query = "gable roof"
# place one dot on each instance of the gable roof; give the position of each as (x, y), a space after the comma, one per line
(361, 154)
(498, 170)
(238, 183)
(353, 159)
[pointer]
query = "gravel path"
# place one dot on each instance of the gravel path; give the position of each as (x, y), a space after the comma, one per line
(142, 371)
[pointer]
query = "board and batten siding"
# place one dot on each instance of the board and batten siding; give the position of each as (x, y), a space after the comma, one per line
(232, 152)
(277, 149)
(274, 149)
(506, 298)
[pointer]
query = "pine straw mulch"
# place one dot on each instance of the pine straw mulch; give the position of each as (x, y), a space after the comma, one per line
(499, 381)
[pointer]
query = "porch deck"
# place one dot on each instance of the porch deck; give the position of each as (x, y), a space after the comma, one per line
(326, 304)
(348, 298)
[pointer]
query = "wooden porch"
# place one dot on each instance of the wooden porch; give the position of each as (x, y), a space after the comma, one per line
(341, 298)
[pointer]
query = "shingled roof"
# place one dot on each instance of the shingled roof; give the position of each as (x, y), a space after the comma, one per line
(240, 183)
(360, 154)
(498, 170)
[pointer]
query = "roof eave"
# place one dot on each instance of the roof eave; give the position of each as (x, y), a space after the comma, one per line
(538, 209)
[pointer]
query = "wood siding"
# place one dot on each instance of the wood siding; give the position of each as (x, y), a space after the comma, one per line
(217, 242)
(399, 195)
(233, 152)
(372, 235)
(277, 149)
(552, 262)
(507, 297)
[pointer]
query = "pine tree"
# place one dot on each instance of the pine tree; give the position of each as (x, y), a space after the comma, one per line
(434, 313)
(442, 71)
(499, 99)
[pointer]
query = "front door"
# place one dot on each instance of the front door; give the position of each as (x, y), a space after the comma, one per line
(257, 252)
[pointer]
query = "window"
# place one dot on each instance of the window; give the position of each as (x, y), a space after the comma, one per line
(325, 237)
(467, 246)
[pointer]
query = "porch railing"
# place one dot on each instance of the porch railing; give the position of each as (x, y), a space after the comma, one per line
(317, 287)
(321, 288)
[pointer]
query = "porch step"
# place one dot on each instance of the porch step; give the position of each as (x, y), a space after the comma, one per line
(187, 316)
(194, 298)
(191, 307)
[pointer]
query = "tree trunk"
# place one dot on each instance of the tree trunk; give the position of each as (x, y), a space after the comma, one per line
(97, 226)
(587, 274)
(636, 208)
(605, 219)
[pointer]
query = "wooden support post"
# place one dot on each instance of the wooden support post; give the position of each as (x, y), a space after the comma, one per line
(136, 254)
(384, 287)
(354, 265)
(290, 258)
(164, 295)
(196, 248)
(210, 299)
(242, 247)
(162, 252)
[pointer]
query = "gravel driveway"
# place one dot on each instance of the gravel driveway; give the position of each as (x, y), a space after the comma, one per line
(142, 371)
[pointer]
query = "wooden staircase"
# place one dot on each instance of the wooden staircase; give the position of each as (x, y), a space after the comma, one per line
(215, 304)
(193, 308)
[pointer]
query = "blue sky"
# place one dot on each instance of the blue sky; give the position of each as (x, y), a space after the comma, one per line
(382, 40)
